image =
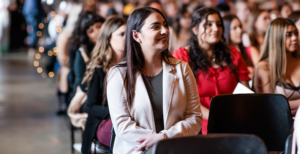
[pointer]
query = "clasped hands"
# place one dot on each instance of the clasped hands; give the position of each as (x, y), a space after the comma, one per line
(148, 141)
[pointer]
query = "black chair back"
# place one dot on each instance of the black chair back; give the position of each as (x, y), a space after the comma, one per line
(211, 144)
(266, 115)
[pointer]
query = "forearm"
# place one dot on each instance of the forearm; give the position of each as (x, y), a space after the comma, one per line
(294, 104)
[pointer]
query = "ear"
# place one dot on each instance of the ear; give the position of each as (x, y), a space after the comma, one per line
(135, 36)
(195, 30)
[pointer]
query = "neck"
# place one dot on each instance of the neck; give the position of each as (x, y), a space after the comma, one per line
(207, 48)
(289, 55)
(117, 57)
(152, 64)
(184, 31)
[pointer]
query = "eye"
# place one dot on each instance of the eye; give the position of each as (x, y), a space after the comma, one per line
(208, 24)
(288, 34)
(122, 34)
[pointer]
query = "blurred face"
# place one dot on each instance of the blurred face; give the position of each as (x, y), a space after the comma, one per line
(156, 6)
(117, 40)
(243, 11)
(291, 42)
(285, 11)
(154, 34)
(93, 31)
(236, 31)
(262, 22)
(185, 21)
(210, 32)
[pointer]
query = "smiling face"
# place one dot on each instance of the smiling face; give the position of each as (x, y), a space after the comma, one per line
(210, 31)
(154, 34)
(117, 40)
(291, 42)
(236, 31)
(93, 31)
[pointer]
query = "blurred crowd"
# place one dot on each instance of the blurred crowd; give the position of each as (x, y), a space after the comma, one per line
(69, 33)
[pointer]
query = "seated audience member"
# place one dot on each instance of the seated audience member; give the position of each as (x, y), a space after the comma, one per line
(223, 9)
(285, 10)
(295, 17)
(278, 69)
(257, 27)
(216, 67)
(233, 32)
(157, 5)
(108, 51)
(272, 6)
(242, 12)
(151, 95)
(181, 28)
(83, 40)
(295, 5)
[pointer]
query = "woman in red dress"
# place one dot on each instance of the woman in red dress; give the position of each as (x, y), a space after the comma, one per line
(217, 68)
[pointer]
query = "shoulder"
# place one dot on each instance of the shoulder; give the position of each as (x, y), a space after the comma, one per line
(262, 67)
(182, 53)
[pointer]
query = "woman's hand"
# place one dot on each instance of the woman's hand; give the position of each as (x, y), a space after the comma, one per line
(148, 141)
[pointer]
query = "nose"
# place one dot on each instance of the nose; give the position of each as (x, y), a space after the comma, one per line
(294, 37)
(215, 27)
(164, 30)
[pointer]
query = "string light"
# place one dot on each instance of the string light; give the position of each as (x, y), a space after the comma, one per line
(39, 70)
(46, 20)
(58, 30)
(41, 25)
(55, 49)
(50, 53)
(41, 49)
(39, 33)
(36, 63)
(37, 56)
(51, 74)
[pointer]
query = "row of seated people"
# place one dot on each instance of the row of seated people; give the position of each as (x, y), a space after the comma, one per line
(127, 74)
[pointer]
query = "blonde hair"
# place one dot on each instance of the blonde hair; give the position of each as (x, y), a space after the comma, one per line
(102, 54)
(274, 51)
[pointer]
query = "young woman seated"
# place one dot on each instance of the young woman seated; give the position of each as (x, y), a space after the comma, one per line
(216, 67)
(151, 95)
(278, 70)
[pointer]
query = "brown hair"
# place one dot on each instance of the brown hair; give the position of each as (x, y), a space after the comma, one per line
(102, 54)
(274, 51)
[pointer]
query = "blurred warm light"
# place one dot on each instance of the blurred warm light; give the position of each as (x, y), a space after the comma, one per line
(50, 53)
(46, 20)
(37, 56)
(62, 5)
(51, 74)
(52, 13)
(58, 30)
(49, 2)
(90, 2)
(55, 49)
(39, 70)
(55, 54)
(41, 25)
(39, 33)
(36, 63)
(41, 49)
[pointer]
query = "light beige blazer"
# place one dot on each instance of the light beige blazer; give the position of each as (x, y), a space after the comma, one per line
(181, 106)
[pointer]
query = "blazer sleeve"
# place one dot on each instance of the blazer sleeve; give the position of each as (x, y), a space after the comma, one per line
(192, 120)
(126, 129)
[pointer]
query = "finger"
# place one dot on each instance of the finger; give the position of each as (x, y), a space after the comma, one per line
(140, 148)
(142, 139)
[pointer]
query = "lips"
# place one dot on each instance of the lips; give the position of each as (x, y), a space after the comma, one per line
(163, 39)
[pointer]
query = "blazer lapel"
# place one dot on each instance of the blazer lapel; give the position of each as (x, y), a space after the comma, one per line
(142, 98)
(168, 88)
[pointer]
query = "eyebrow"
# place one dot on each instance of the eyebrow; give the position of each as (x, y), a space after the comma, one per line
(213, 21)
(157, 23)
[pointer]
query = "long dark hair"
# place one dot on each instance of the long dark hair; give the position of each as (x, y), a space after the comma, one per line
(227, 22)
(198, 58)
(134, 60)
(79, 37)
